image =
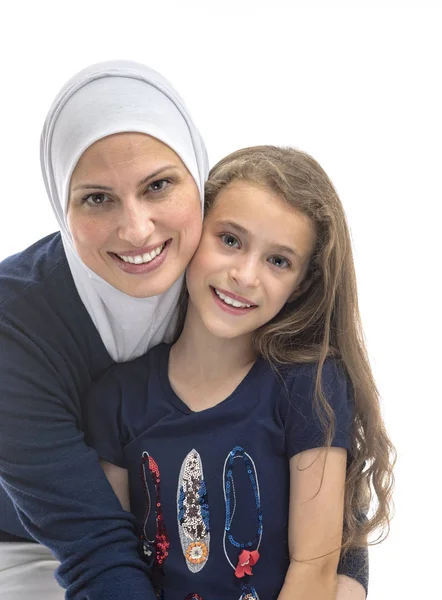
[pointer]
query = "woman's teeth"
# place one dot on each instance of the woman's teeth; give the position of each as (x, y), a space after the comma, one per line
(142, 258)
(231, 301)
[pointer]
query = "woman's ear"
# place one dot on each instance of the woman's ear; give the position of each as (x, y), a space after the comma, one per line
(302, 287)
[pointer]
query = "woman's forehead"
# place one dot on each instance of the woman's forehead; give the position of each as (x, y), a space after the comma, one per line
(122, 152)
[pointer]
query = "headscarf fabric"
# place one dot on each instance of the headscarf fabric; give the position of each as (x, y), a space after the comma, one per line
(104, 99)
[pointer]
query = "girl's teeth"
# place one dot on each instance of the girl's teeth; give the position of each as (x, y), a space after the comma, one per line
(231, 301)
(142, 258)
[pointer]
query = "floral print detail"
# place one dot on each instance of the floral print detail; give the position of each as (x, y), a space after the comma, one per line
(246, 560)
(193, 512)
(196, 553)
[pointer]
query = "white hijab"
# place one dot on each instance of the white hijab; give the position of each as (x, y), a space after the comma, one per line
(107, 98)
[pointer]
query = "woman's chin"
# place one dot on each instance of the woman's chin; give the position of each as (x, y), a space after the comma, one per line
(138, 285)
(144, 287)
(141, 289)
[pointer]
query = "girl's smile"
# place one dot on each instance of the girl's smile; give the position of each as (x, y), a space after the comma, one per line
(231, 303)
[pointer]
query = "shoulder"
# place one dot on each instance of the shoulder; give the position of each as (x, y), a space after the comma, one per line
(305, 416)
(300, 385)
(42, 317)
(121, 395)
(132, 376)
(32, 270)
(299, 380)
(302, 378)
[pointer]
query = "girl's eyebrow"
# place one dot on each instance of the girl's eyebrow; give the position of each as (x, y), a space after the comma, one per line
(240, 229)
(233, 225)
(105, 188)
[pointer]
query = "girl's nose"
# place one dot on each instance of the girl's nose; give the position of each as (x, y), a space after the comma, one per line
(246, 273)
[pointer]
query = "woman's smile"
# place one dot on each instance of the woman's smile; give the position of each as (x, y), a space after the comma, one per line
(144, 260)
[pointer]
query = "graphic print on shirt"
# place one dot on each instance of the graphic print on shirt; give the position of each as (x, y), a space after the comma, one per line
(153, 550)
(248, 550)
(193, 513)
(248, 593)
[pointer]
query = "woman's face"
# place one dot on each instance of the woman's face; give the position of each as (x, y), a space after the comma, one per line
(134, 213)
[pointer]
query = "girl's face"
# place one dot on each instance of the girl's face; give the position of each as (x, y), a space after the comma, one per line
(253, 256)
(134, 213)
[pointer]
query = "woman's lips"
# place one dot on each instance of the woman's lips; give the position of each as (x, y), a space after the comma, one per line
(143, 267)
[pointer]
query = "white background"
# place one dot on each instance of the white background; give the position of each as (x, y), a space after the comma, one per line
(356, 84)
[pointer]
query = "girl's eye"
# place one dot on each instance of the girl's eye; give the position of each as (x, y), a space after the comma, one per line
(158, 186)
(229, 240)
(279, 261)
(96, 199)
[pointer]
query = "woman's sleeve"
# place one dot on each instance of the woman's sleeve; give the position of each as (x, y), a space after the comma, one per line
(303, 431)
(355, 564)
(56, 483)
(103, 429)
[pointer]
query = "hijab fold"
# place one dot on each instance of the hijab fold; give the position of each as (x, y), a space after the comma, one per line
(104, 99)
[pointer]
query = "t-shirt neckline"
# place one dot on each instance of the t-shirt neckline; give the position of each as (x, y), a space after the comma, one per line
(182, 407)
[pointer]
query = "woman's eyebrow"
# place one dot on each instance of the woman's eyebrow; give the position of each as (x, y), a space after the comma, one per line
(92, 186)
(155, 173)
(105, 188)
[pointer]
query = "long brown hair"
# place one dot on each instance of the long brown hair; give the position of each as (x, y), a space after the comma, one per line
(324, 321)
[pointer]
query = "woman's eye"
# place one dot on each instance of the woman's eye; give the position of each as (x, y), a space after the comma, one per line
(96, 199)
(279, 261)
(229, 240)
(158, 186)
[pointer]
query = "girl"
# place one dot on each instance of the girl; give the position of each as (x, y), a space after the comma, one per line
(248, 449)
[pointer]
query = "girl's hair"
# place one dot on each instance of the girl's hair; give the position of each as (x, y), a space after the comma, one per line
(324, 322)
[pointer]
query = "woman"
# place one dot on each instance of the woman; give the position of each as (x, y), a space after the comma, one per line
(102, 290)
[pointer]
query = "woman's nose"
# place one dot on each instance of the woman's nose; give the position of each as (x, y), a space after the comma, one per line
(136, 224)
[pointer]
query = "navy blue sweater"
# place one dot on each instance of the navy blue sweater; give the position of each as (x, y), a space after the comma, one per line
(50, 353)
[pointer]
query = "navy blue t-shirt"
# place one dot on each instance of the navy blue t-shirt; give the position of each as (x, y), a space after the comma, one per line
(226, 466)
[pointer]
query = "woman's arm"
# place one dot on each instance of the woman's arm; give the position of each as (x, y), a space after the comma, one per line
(119, 480)
(317, 484)
(55, 481)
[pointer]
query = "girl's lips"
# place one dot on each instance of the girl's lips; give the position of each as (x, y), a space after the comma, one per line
(228, 308)
(235, 297)
(142, 268)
